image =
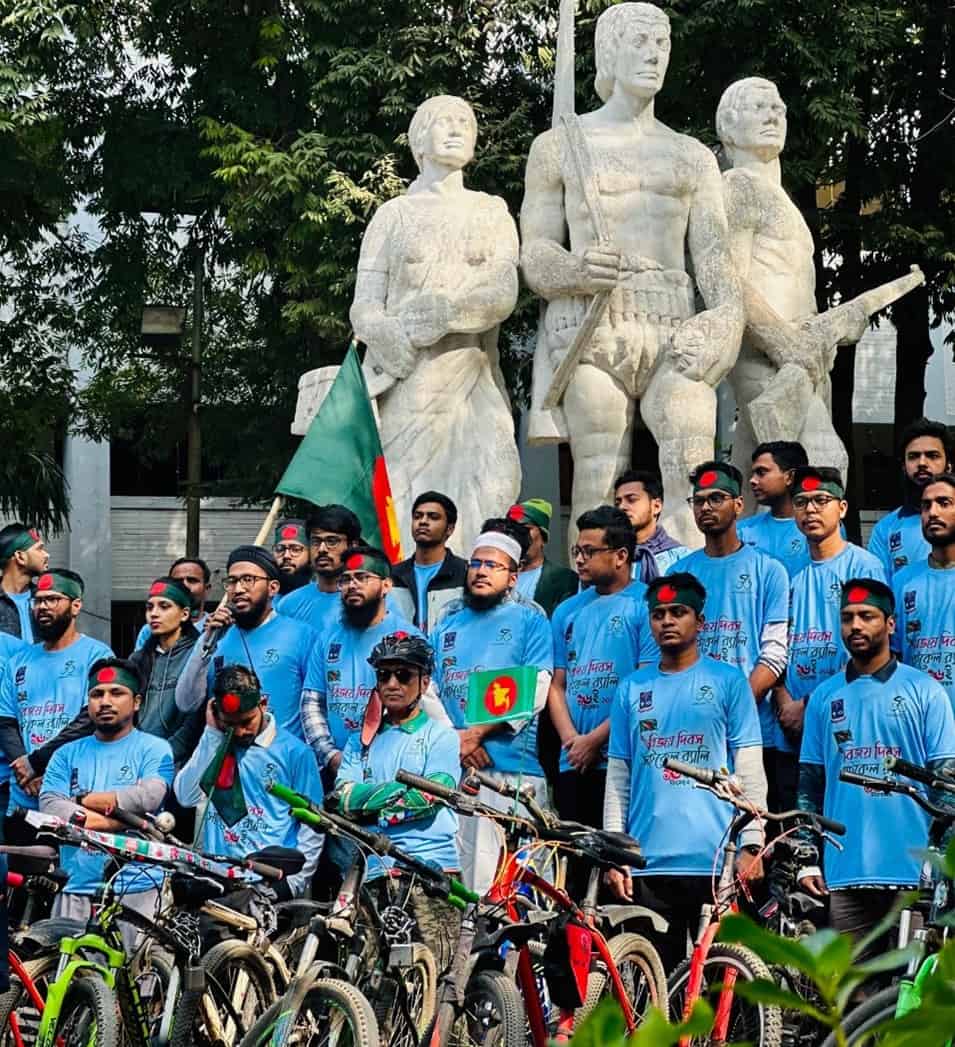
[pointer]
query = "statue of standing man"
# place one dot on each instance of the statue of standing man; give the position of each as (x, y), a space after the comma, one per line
(612, 202)
(437, 275)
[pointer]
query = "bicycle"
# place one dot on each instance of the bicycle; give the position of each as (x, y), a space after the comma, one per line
(581, 965)
(713, 968)
(905, 995)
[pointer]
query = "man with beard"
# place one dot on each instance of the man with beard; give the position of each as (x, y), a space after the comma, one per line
(925, 592)
(241, 752)
(426, 582)
(117, 767)
(194, 575)
(45, 688)
(873, 708)
(23, 557)
(247, 631)
(771, 480)
(897, 538)
(331, 530)
(340, 678)
(291, 553)
(747, 595)
(639, 494)
(493, 631)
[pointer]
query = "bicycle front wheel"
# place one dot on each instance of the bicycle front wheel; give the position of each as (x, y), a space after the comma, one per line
(329, 1012)
(493, 1013)
(238, 992)
(753, 1023)
(641, 971)
(89, 1016)
(859, 1022)
(19, 1013)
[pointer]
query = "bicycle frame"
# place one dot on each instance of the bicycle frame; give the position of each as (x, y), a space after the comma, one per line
(17, 969)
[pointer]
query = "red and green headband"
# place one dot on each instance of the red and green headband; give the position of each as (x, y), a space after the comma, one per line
(238, 700)
(114, 674)
(24, 539)
(368, 562)
(55, 582)
(291, 531)
(856, 592)
(175, 593)
(812, 483)
(668, 593)
(715, 480)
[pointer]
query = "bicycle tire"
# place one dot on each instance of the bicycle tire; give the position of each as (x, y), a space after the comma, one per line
(628, 950)
(218, 962)
(421, 975)
(493, 1013)
(766, 1031)
(867, 1015)
(16, 1000)
(92, 1006)
(350, 1003)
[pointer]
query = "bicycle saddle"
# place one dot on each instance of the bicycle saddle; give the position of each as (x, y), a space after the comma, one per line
(287, 859)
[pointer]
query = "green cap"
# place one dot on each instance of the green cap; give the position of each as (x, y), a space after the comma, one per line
(667, 593)
(868, 591)
(365, 560)
(808, 481)
(537, 511)
(291, 531)
(171, 590)
(57, 582)
(715, 478)
(114, 674)
(22, 539)
(238, 700)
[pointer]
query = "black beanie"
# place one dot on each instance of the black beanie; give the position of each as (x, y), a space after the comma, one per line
(258, 555)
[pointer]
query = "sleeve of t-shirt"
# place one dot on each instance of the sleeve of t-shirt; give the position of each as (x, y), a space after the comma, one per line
(558, 627)
(647, 646)
(444, 757)
(308, 642)
(350, 769)
(742, 720)
(315, 667)
(938, 722)
(619, 745)
(896, 640)
(813, 725)
(306, 779)
(434, 639)
(879, 546)
(539, 643)
(8, 694)
(775, 592)
(56, 779)
(157, 763)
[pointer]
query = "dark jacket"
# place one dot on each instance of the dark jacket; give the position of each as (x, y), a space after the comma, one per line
(159, 715)
(554, 585)
(445, 586)
(10, 617)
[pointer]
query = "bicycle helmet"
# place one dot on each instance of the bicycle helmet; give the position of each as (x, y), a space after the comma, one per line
(404, 647)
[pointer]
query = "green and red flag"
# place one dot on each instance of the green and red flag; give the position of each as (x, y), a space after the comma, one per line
(495, 695)
(340, 460)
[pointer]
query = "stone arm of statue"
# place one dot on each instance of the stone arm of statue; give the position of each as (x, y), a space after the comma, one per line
(707, 344)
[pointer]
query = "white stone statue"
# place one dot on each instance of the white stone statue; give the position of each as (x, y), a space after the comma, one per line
(436, 276)
(614, 203)
(781, 378)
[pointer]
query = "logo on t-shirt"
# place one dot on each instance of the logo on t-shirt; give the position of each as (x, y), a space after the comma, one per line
(898, 705)
(69, 668)
(795, 545)
(504, 635)
(837, 709)
(126, 774)
(74, 781)
(646, 701)
(900, 561)
(333, 675)
(908, 601)
(705, 695)
(913, 625)
(569, 631)
(218, 662)
(271, 656)
(334, 652)
(615, 625)
(648, 725)
(744, 583)
(21, 675)
(449, 639)
(895, 541)
(842, 737)
(449, 662)
(834, 592)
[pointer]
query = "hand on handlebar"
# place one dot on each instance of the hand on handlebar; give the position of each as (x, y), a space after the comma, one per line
(749, 866)
(477, 758)
(621, 884)
(814, 884)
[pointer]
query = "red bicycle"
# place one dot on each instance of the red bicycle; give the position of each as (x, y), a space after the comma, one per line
(576, 963)
(713, 968)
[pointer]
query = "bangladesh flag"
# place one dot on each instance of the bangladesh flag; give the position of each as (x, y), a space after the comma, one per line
(501, 694)
(340, 460)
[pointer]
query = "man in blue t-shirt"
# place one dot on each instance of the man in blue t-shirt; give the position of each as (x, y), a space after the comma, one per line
(925, 592)
(242, 751)
(747, 595)
(397, 734)
(43, 703)
(116, 767)
(875, 707)
(815, 646)
(695, 709)
(602, 636)
(639, 493)
(775, 530)
(897, 538)
(23, 557)
(249, 632)
(493, 631)
(331, 530)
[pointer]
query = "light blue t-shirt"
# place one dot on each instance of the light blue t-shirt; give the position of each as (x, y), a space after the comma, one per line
(527, 581)
(780, 537)
(745, 592)
(816, 650)
(339, 671)
(897, 540)
(8, 644)
(508, 635)
(422, 577)
(925, 621)
(44, 690)
(422, 747)
(278, 651)
(22, 601)
(701, 715)
(599, 642)
(852, 725)
(90, 765)
(313, 606)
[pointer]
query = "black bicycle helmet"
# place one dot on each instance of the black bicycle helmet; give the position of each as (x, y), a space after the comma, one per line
(404, 647)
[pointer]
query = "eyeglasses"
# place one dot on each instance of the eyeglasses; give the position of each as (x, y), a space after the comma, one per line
(714, 498)
(358, 578)
(47, 601)
(490, 565)
(330, 541)
(402, 674)
(244, 581)
(587, 552)
(820, 501)
(294, 548)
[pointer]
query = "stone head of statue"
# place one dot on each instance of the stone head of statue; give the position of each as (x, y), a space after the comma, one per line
(443, 129)
(632, 50)
(751, 118)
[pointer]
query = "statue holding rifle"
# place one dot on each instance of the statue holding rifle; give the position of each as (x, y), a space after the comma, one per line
(614, 201)
(781, 378)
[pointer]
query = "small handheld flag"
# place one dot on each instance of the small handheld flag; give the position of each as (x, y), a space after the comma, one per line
(496, 695)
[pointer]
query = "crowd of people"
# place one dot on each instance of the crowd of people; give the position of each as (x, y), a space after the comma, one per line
(779, 650)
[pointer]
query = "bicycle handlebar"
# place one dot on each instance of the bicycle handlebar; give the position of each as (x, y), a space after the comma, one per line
(887, 785)
(38, 851)
(703, 775)
(933, 779)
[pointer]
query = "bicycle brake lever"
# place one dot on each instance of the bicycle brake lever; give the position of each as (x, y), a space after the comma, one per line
(829, 838)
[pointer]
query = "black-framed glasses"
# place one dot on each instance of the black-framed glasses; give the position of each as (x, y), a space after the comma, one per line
(295, 548)
(820, 501)
(330, 541)
(402, 674)
(587, 552)
(47, 601)
(358, 578)
(244, 581)
(714, 499)
(490, 565)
